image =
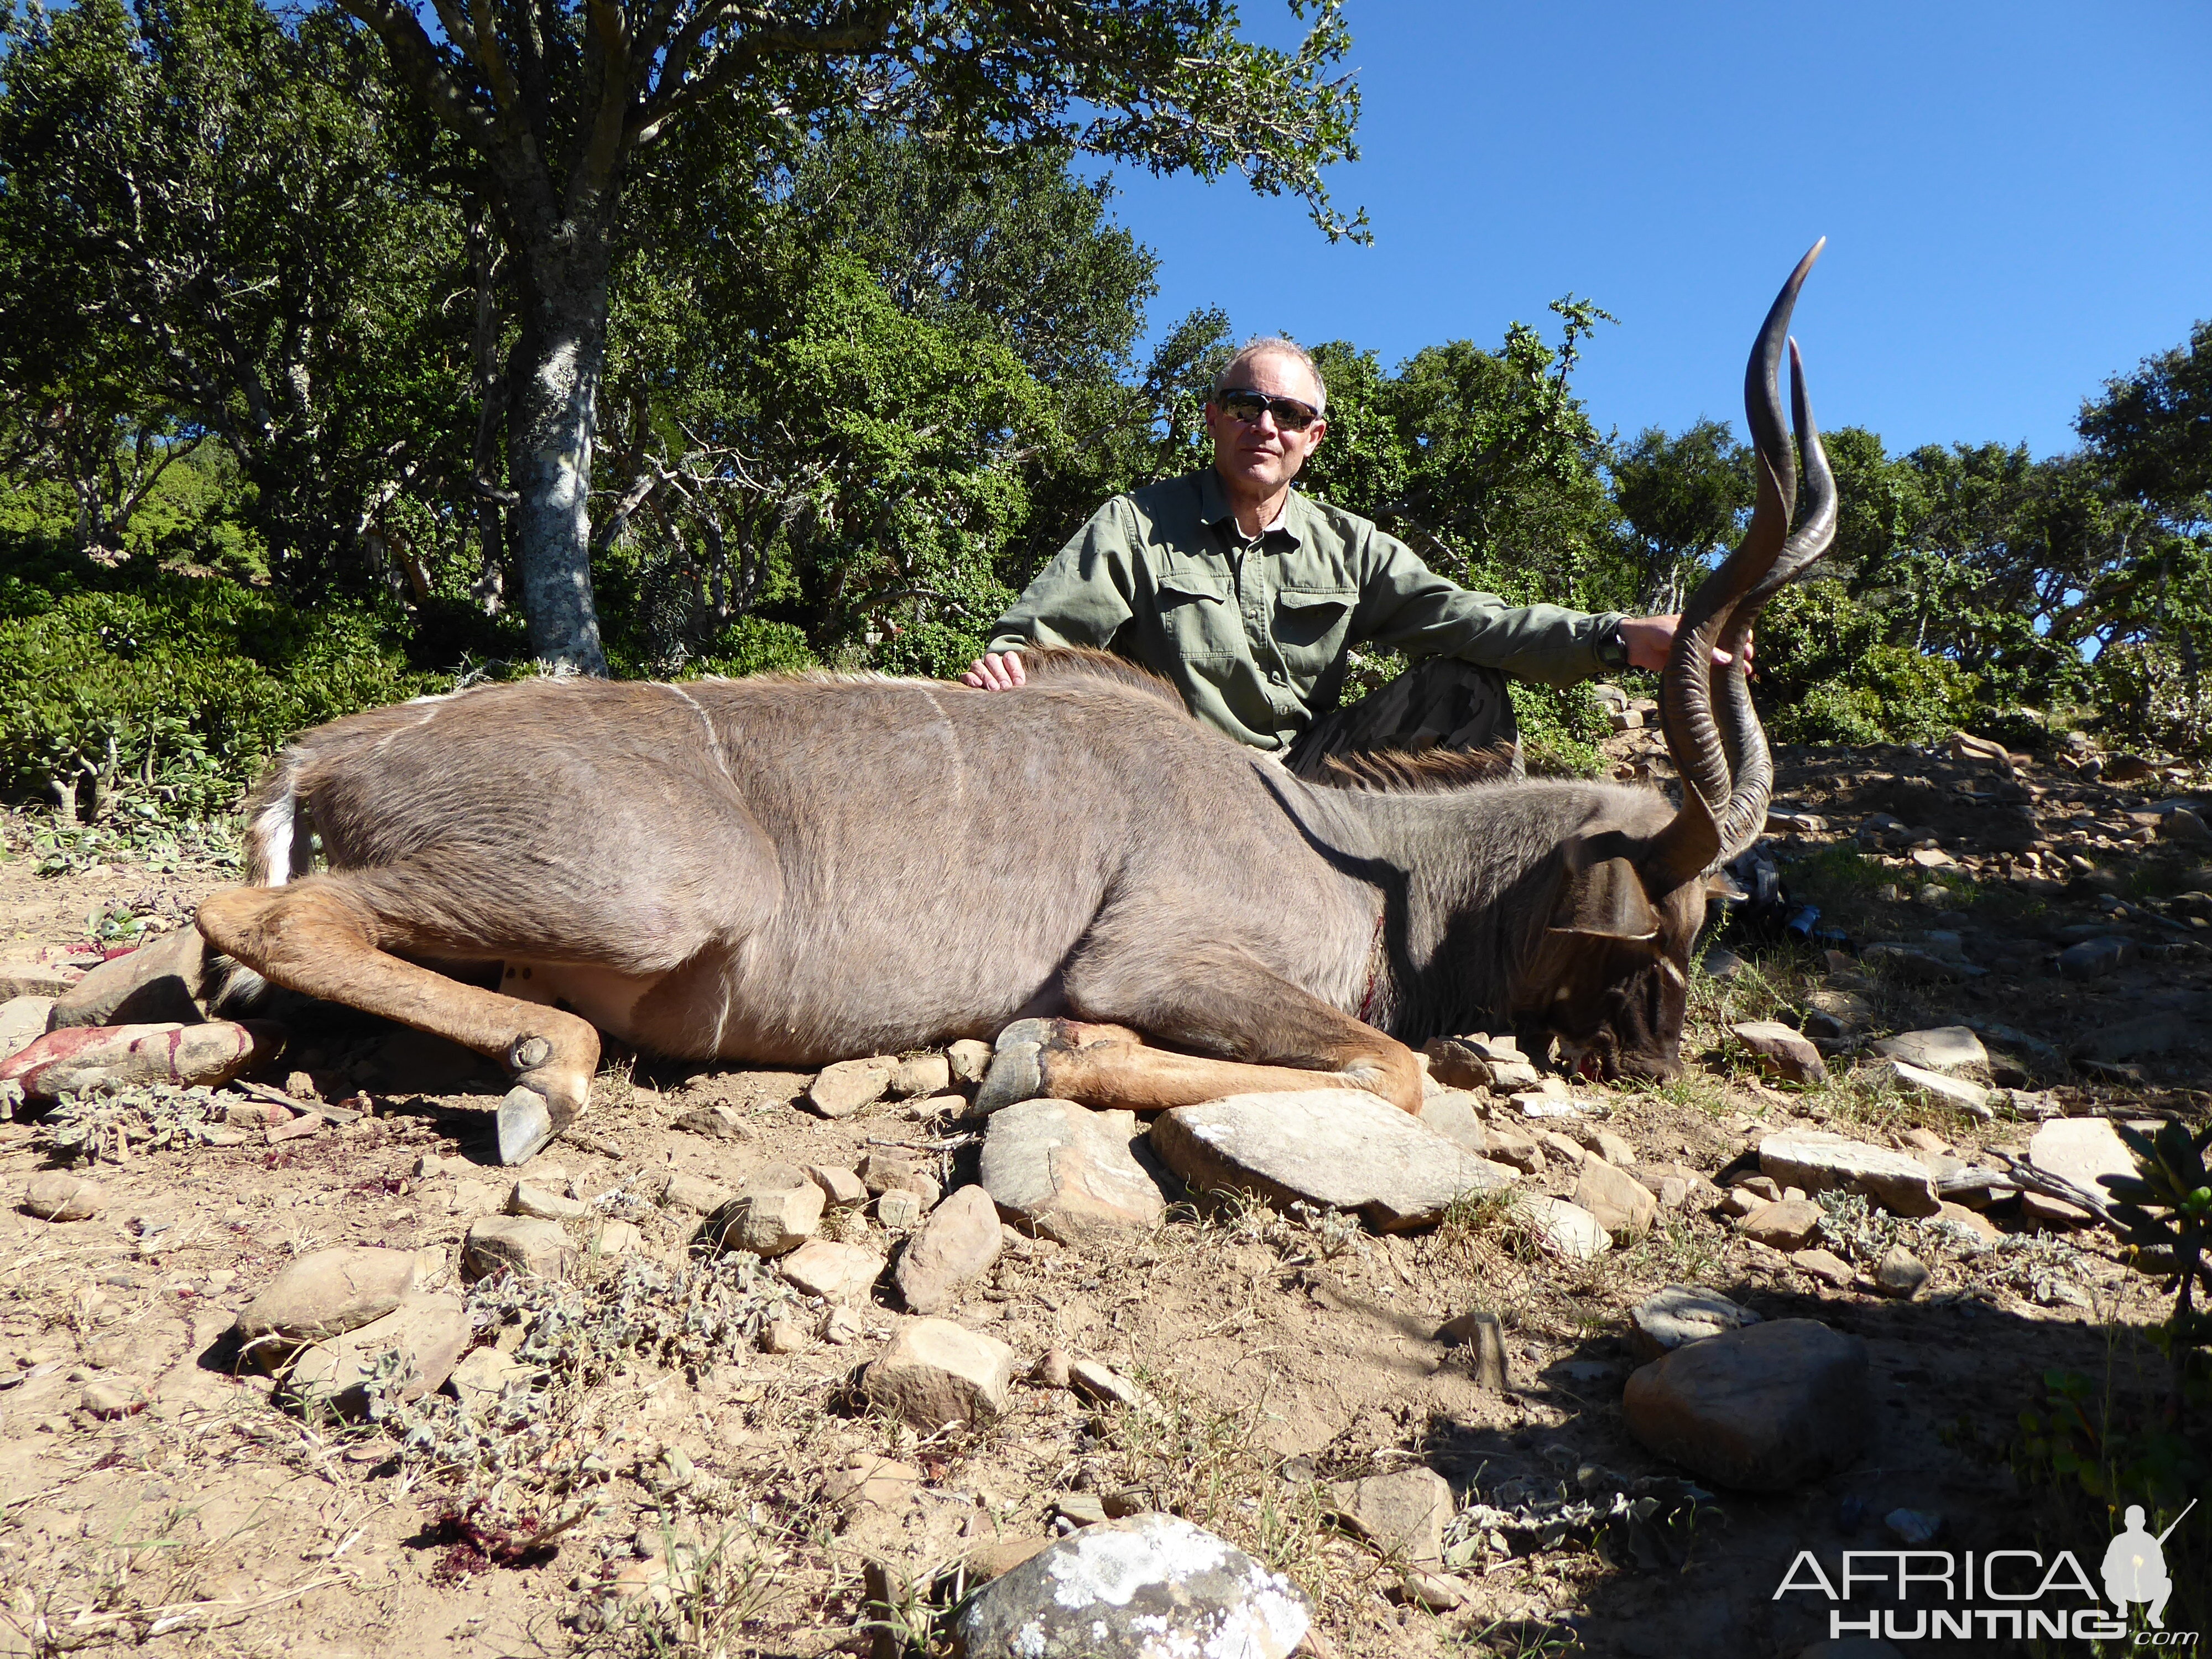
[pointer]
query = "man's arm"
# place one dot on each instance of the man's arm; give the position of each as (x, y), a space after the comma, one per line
(1405, 605)
(1082, 598)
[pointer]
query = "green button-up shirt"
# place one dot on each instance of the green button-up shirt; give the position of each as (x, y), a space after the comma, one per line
(1255, 633)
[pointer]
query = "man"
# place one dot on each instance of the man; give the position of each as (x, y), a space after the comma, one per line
(1247, 596)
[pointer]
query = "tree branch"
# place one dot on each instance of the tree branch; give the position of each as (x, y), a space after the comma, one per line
(680, 89)
(416, 59)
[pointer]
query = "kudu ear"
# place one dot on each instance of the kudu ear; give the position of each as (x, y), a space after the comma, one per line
(1719, 884)
(1604, 899)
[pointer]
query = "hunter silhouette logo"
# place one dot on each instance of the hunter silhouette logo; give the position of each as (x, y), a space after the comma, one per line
(2135, 1566)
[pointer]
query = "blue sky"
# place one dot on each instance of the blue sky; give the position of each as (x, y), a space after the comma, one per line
(2018, 200)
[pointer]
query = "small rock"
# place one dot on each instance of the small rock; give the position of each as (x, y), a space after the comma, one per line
(1740, 1201)
(1844, 1012)
(1402, 1514)
(783, 1335)
(1818, 1161)
(886, 1168)
(1913, 966)
(842, 1089)
(1061, 1170)
(1485, 1336)
(716, 1121)
(1053, 1368)
(1762, 1186)
(1618, 1200)
(1935, 1085)
(1913, 1527)
(2053, 1211)
(842, 1189)
(101, 1059)
(689, 1191)
(56, 1195)
(774, 1220)
(899, 1209)
(255, 1113)
(328, 1292)
(482, 1376)
(1900, 1273)
(841, 1326)
(1564, 1229)
(616, 1238)
(934, 1373)
(1344, 1148)
(1511, 1146)
(922, 1074)
(472, 1197)
(1932, 857)
(1782, 1052)
(1959, 1216)
(1510, 1074)
(1943, 1049)
(1667, 1319)
(2094, 959)
(1721, 964)
(528, 1246)
(430, 1334)
(113, 1396)
(1436, 1592)
(1152, 1585)
(1763, 1408)
(1788, 1225)
(1103, 1384)
(867, 1480)
(1456, 1063)
(1926, 1141)
(968, 1060)
(955, 1247)
(836, 1272)
(1825, 1266)
(2186, 826)
(530, 1199)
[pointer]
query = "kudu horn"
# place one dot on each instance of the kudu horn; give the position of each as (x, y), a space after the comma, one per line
(1728, 775)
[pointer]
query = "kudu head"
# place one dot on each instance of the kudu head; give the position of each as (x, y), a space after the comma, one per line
(1612, 970)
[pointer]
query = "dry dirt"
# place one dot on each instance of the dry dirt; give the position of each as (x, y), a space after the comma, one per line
(1277, 1356)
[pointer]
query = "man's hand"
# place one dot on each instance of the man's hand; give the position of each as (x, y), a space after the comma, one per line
(1649, 639)
(996, 671)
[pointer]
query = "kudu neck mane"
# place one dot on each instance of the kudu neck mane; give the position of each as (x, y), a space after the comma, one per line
(1467, 876)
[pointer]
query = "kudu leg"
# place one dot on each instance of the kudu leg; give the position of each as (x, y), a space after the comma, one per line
(319, 938)
(1255, 1032)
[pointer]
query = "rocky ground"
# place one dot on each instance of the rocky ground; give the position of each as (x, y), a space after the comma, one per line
(909, 1350)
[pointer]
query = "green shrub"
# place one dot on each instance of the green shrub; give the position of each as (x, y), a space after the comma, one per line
(168, 694)
(1560, 728)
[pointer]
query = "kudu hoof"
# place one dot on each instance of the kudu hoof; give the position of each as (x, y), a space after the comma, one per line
(1017, 1074)
(527, 1121)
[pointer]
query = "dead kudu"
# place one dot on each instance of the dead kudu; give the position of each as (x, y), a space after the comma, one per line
(796, 870)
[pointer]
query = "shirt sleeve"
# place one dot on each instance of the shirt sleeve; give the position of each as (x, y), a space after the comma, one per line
(1082, 598)
(1406, 606)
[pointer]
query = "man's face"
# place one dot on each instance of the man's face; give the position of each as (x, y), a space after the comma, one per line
(1260, 458)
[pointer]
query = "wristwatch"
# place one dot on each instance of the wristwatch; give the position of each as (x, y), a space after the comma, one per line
(1613, 649)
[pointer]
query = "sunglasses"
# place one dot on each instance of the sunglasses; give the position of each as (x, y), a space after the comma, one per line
(1248, 406)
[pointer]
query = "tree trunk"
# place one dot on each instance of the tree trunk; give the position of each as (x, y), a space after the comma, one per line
(553, 388)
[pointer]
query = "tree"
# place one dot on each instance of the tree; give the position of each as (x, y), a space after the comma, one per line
(564, 103)
(216, 228)
(1681, 498)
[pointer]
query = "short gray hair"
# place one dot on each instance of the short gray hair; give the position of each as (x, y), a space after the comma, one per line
(1270, 345)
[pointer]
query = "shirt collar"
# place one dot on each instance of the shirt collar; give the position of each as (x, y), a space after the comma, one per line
(1214, 509)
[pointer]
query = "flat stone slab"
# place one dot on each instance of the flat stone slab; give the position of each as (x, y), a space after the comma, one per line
(1152, 1587)
(2081, 1150)
(1763, 1408)
(1940, 1048)
(1668, 1319)
(832, 1271)
(1918, 1080)
(1817, 1160)
(1068, 1173)
(1344, 1148)
(1401, 1514)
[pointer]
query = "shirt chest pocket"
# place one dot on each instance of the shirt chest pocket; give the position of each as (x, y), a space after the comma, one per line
(1198, 615)
(1311, 625)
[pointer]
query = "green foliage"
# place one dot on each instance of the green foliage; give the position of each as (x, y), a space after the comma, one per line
(164, 694)
(1680, 498)
(1560, 728)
